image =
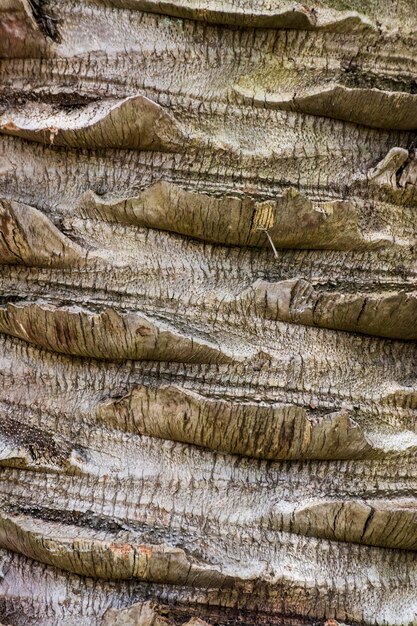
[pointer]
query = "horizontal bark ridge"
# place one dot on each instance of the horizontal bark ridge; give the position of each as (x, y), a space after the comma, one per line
(208, 305)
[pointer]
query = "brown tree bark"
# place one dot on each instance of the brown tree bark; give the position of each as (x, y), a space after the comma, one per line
(208, 303)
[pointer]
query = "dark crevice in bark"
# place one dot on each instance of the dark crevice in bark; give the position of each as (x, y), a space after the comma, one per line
(45, 19)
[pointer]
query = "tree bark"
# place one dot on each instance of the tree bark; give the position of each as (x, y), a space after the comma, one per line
(208, 309)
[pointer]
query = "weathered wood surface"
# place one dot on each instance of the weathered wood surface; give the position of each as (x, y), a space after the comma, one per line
(201, 424)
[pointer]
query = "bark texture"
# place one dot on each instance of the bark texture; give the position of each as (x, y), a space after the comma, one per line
(208, 305)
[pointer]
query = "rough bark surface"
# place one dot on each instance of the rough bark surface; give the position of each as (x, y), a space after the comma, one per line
(208, 261)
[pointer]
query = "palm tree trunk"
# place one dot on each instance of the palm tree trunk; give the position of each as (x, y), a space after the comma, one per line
(208, 311)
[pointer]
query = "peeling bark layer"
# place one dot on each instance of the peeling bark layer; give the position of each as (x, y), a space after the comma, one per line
(208, 306)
